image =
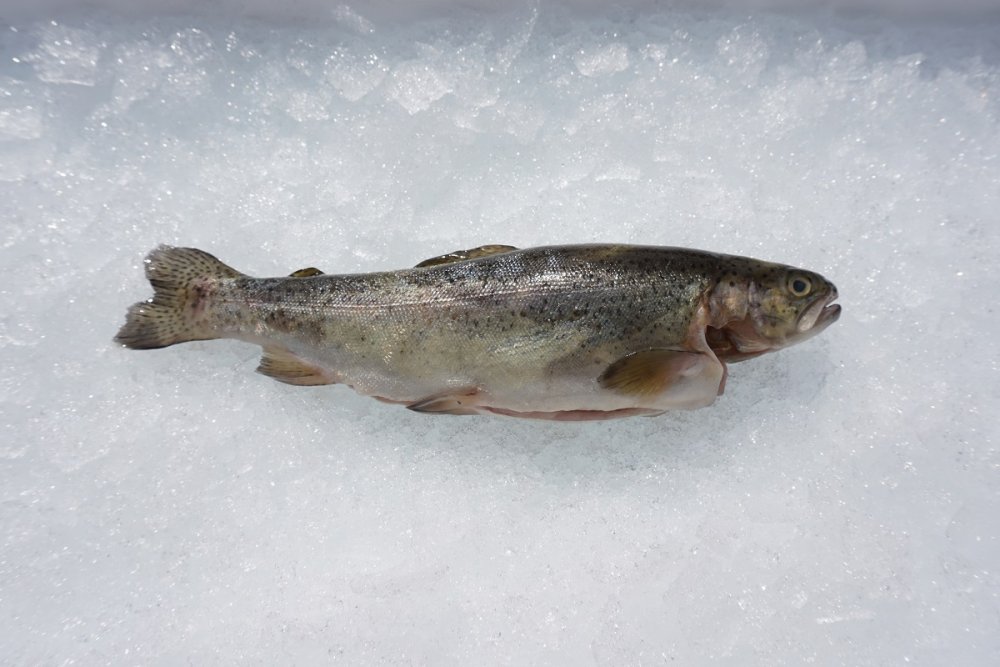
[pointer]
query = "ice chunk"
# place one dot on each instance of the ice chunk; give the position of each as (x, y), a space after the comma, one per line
(192, 45)
(66, 55)
(744, 55)
(21, 115)
(416, 85)
(352, 19)
(605, 59)
(354, 74)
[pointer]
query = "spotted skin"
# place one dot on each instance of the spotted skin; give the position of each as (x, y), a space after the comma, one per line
(523, 332)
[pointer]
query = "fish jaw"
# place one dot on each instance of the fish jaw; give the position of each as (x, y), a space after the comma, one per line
(819, 315)
(815, 319)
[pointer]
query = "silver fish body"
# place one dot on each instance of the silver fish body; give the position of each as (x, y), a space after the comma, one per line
(561, 332)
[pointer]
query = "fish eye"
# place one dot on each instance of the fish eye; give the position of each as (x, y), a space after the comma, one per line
(799, 285)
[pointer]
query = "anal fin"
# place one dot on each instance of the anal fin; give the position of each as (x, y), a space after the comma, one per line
(284, 366)
(462, 255)
(453, 403)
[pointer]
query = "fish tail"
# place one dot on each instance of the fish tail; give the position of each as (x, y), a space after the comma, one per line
(182, 279)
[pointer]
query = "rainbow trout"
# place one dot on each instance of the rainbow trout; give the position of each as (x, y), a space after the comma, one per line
(561, 332)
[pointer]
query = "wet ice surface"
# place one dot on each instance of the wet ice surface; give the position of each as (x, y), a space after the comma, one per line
(837, 505)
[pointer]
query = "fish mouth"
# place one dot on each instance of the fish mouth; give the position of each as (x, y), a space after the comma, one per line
(820, 314)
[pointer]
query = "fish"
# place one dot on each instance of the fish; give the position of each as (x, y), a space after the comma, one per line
(570, 332)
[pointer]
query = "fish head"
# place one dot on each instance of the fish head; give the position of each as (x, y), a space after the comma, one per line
(784, 306)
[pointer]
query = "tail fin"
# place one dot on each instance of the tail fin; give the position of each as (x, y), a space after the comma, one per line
(181, 279)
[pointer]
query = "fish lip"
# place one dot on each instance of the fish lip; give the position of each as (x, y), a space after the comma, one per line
(830, 314)
(821, 314)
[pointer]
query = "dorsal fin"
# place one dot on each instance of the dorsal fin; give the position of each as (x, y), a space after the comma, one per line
(306, 273)
(462, 255)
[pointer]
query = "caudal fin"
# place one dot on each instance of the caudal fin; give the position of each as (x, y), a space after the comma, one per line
(181, 279)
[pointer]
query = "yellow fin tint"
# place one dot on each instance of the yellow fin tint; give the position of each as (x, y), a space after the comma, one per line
(462, 255)
(651, 372)
(285, 367)
(306, 273)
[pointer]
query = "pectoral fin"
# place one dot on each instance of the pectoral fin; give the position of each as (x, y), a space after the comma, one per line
(284, 366)
(462, 255)
(674, 378)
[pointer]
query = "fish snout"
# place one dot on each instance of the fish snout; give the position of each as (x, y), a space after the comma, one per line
(821, 314)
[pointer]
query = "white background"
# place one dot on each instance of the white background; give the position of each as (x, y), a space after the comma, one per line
(837, 506)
